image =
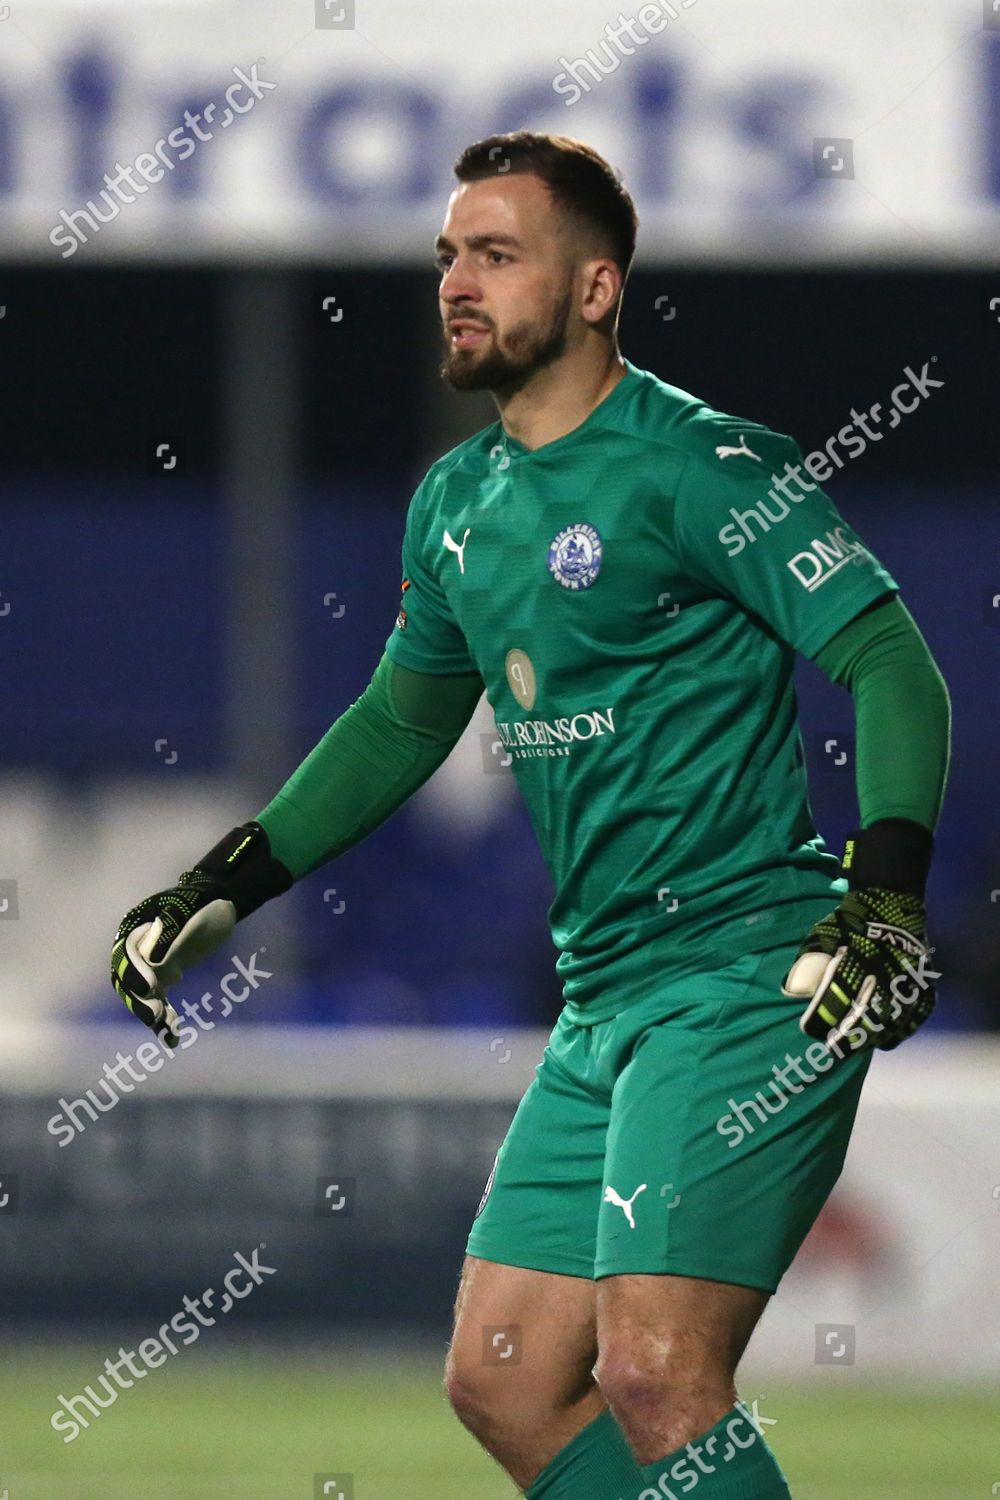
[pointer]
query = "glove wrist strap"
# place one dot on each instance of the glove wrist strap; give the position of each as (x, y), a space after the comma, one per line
(245, 870)
(894, 853)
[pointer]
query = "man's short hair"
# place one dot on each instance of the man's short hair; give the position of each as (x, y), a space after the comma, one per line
(580, 180)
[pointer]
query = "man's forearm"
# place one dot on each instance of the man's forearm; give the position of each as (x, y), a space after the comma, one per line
(864, 971)
(902, 714)
(376, 755)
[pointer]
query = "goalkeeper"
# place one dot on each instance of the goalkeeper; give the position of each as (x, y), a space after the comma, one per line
(628, 574)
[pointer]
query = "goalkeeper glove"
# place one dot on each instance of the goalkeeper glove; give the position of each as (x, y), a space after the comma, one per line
(167, 933)
(864, 968)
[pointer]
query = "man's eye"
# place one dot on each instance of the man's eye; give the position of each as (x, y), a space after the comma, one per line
(442, 262)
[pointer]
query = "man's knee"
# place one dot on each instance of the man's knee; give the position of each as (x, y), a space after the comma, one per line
(523, 1412)
(467, 1396)
(522, 1393)
(669, 1348)
(523, 1348)
(639, 1379)
(670, 1391)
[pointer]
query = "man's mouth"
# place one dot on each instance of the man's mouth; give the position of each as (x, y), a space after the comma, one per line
(463, 333)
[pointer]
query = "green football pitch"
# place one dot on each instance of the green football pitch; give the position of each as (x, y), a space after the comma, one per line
(261, 1424)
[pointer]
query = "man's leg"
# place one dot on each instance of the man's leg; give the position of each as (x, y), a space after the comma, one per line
(724, 1141)
(519, 1373)
(520, 1370)
(669, 1348)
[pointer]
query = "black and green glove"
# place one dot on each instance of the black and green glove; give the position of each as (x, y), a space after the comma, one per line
(167, 933)
(865, 969)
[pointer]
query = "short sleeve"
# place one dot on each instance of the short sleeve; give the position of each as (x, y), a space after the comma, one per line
(752, 523)
(426, 637)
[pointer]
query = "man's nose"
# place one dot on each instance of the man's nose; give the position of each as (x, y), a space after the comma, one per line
(458, 284)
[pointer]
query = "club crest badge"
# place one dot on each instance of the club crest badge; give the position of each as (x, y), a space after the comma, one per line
(575, 556)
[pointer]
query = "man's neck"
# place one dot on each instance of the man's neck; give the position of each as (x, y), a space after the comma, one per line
(559, 398)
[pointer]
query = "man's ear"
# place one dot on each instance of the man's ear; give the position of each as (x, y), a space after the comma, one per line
(602, 287)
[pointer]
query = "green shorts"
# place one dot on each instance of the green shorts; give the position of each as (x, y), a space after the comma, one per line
(697, 1133)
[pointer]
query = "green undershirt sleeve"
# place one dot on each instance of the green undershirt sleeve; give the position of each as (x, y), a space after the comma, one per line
(375, 756)
(902, 713)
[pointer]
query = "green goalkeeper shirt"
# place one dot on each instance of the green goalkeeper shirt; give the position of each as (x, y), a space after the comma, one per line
(633, 595)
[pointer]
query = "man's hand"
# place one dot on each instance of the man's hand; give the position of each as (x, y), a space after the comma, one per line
(167, 933)
(864, 970)
(161, 937)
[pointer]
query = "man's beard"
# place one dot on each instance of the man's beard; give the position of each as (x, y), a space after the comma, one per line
(506, 370)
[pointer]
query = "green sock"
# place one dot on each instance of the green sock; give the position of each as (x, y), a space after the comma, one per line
(732, 1462)
(598, 1464)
